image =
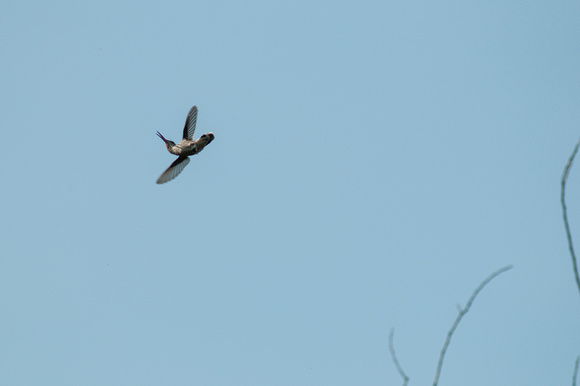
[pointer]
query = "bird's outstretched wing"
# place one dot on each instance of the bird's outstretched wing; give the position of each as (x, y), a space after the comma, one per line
(173, 170)
(190, 122)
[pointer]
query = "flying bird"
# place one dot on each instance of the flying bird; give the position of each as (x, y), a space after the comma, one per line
(185, 148)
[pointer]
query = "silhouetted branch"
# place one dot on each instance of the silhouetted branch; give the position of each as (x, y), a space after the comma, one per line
(575, 376)
(458, 319)
(564, 178)
(395, 360)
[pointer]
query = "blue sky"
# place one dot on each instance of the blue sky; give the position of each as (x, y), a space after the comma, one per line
(373, 162)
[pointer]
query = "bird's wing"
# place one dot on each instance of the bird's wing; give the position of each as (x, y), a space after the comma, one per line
(173, 170)
(190, 122)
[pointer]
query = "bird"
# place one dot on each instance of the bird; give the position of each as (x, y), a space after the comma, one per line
(185, 148)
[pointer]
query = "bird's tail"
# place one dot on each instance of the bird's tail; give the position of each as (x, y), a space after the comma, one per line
(162, 137)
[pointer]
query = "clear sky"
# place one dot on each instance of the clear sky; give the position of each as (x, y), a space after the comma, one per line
(373, 162)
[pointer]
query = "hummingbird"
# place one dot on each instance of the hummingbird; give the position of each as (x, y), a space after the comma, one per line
(185, 148)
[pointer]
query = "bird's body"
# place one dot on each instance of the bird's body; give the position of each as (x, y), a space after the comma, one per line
(185, 148)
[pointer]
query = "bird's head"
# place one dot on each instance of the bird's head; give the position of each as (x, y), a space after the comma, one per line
(169, 144)
(206, 138)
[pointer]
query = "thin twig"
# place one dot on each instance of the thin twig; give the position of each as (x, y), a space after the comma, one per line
(575, 376)
(458, 319)
(395, 360)
(564, 178)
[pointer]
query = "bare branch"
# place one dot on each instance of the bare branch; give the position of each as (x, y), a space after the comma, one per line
(395, 360)
(458, 319)
(575, 376)
(564, 178)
